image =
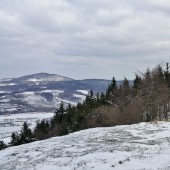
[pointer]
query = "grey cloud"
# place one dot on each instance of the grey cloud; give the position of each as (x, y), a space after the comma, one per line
(69, 36)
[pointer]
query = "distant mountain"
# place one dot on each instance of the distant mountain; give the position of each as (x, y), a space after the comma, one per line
(40, 77)
(44, 92)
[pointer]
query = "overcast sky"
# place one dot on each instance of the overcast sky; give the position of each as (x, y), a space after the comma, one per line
(83, 38)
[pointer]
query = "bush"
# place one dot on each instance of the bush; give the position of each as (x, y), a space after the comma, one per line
(103, 116)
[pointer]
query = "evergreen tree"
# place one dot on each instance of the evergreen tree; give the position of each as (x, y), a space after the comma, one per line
(160, 74)
(59, 114)
(167, 74)
(103, 100)
(61, 120)
(14, 139)
(113, 84)
(70, 113)
(111, 91)
(91, 94)
(126, 91)
(2, 145)
(42, 129)
(26, 135)
(126, 86)
(137, 83)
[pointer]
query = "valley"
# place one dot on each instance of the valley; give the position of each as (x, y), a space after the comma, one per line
(43, 92)
(13, 122)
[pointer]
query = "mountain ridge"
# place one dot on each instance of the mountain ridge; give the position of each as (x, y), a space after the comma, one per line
(43, 92)
(42, 76)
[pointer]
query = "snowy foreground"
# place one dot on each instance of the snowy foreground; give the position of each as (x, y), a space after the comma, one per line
(141, 146)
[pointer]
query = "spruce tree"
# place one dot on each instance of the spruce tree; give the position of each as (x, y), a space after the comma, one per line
(26, 134)
(91, 94)
(2, 145)
(59, 114)
(167, 74)
(112, 92)
(137, 83)
(14, 139)
(113, 84)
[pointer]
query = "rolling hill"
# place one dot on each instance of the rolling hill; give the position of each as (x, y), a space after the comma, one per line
(43, 92)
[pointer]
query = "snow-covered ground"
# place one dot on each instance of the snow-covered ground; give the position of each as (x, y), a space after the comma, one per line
(83, 91)
(8, 84)
(13, 123)
(144, 146)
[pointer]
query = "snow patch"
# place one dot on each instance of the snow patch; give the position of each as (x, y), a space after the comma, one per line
(33, 80)
(10, 84)
(83, 91)
(82, 97)
(53, 91)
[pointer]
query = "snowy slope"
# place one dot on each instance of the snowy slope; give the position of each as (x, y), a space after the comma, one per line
(142, 146)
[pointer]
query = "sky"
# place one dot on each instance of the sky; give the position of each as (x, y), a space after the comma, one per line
(83, 38)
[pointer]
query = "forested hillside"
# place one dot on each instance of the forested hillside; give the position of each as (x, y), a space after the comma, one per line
(147, 99)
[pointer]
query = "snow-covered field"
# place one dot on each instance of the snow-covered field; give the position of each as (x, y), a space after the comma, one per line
(13, 122)
(144, 146)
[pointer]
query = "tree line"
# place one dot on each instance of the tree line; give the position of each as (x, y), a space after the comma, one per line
(147, 98)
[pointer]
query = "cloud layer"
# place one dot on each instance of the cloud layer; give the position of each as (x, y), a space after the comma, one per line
(83, 38)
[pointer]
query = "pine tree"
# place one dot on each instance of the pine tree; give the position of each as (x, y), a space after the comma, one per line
(167, 74)
(111, 91)
(59, 114)
(113, 84)
(26, 134)
(14, 139)
(2, 145)
(137, 83)
(91, 94)
(103, 100)
(61, 123)
(42, 129)
(126, 90)
(69, 112)
(126, 86)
